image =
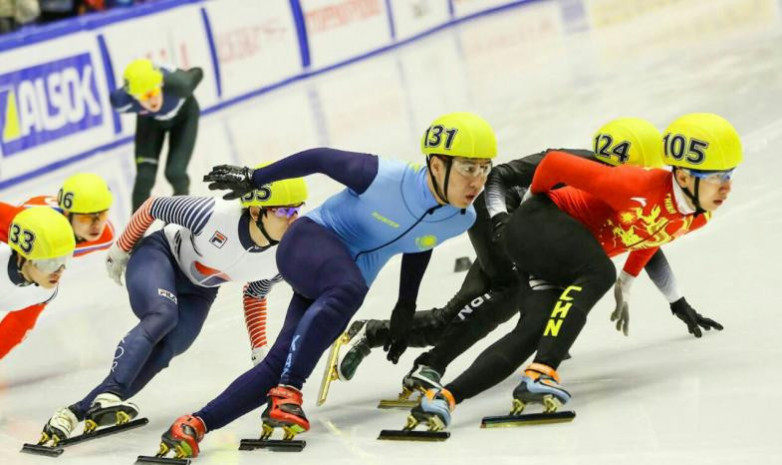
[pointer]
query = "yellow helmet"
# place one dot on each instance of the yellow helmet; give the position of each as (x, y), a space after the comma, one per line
(460, 134)
(142, 77)
(41, 233)
(84, 193)
(629, 141)
(291, 191)
(702, 141)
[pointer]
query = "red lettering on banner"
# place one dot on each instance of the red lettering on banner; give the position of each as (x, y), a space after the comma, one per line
(246, 42)
(341, 14)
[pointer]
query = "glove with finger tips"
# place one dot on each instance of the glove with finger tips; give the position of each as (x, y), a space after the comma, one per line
(694, 320)
(621, 313)
(399, 328)
(116, 261)
(236, 179)
(498, 224)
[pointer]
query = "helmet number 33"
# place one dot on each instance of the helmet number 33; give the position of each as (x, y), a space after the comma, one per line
(434, 137)
(679, 147)
(22, 238)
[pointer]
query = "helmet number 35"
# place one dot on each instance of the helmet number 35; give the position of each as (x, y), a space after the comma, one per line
(22, 238)
(434, 137)
(679, 147)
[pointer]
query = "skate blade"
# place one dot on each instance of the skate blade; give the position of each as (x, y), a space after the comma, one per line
(142, 459)
(56, 451)
(331, 369)
(509, 421)
(48, 451)
(405, 404)
(409, 435)
(276, 445)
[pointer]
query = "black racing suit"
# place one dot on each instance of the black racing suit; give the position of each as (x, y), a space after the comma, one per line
(178, 116)
(492, 291)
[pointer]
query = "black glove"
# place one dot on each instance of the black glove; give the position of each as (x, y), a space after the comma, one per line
(694, 320)
(498, 223)
(237, 179)
(401, 323)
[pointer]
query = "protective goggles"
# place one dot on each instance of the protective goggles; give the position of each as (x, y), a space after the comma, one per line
(471, 169)
(713, 177)
(148, 94)
(50, 265)
(90, 218)
(286, 212)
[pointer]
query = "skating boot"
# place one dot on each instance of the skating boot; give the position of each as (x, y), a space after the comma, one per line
(57, 434)
(539, 385)
(420, 379)
(182, 438)
(434, 411)
(60, 426)
(345, 368)
(108, 409)
(358, 348)
(283, 411)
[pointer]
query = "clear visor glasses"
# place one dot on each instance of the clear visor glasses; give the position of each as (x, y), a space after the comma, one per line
(471, 169)
(713, 177)
(50, 265)
(286, 212)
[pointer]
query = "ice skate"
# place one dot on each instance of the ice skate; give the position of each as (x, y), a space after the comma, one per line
(283, 411)
(59, 427)
(420, 379)
(182, 439)
(58, 433)
(344, 368)
(539, 385)
(107, 410)
(434, 411)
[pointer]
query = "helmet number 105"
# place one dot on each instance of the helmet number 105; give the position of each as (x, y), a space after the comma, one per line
(679, 147)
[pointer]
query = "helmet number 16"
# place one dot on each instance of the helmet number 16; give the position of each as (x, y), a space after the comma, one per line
(434, 136)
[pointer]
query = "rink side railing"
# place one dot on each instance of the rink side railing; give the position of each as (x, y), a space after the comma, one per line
(55, 79)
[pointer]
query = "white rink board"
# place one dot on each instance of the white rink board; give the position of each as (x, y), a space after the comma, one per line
(339, 30)
(413, 17)
(256, 44)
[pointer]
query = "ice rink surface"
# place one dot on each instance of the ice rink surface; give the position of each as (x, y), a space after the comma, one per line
(545, 75)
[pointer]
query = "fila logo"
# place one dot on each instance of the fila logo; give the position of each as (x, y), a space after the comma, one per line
(167, 294)
(218, 239)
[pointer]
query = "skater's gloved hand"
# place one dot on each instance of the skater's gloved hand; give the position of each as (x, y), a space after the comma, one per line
(399, 328)
(237, 179)
(694, 320)
(258, 354)
(116, 261)
(498, 223)
(621, 313)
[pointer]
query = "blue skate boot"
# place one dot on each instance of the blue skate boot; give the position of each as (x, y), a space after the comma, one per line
(539, 385)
